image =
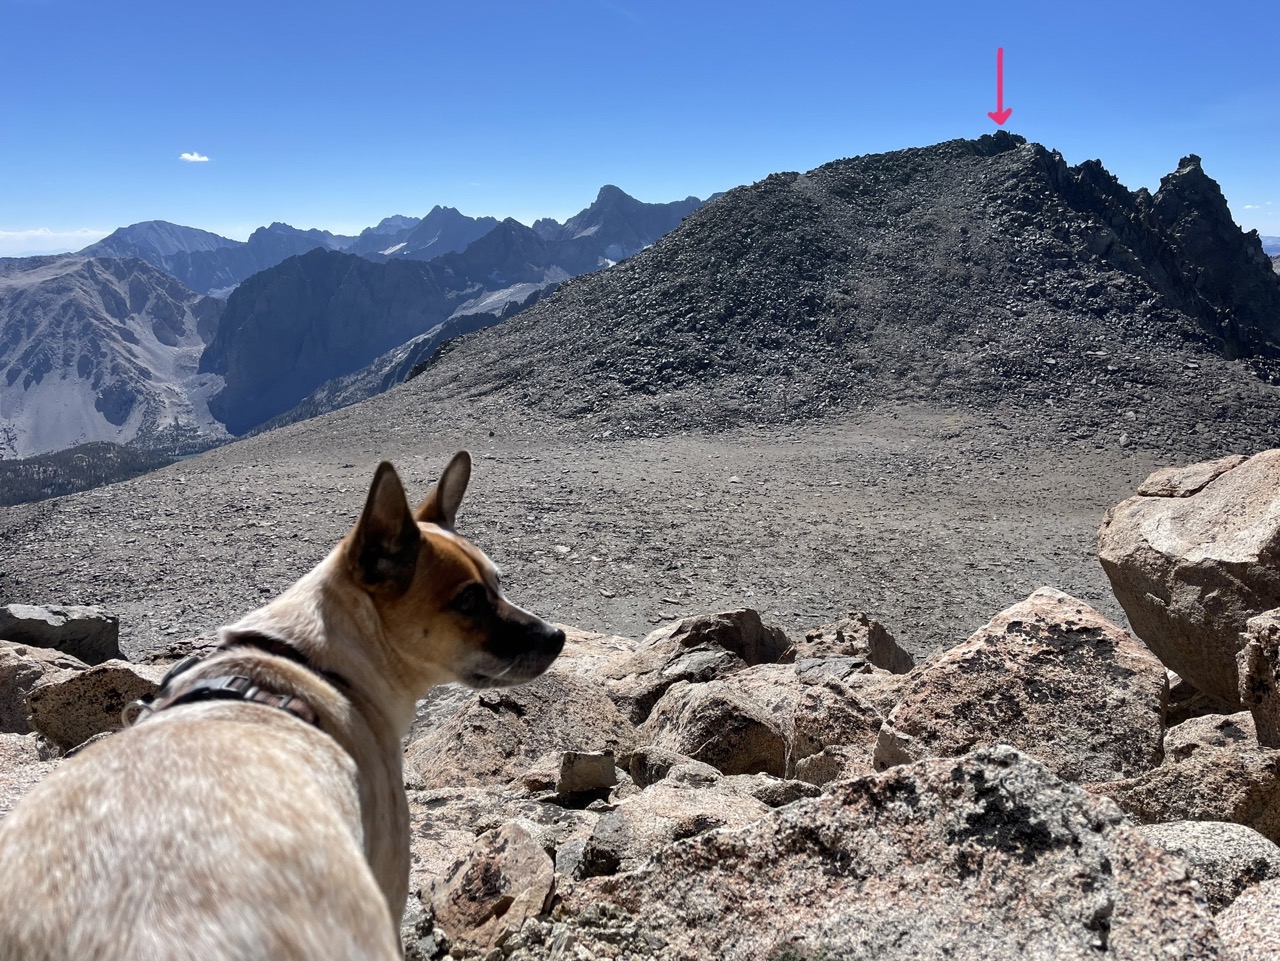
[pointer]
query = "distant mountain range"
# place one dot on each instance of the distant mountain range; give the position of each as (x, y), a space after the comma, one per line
(205, 262)
(305, 311)
(210, 264)
(1271, 245)
(102, 349)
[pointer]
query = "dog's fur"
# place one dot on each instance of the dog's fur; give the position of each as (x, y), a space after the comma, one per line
(228, 829)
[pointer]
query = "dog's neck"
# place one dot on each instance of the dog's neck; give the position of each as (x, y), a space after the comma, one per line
(335, 628)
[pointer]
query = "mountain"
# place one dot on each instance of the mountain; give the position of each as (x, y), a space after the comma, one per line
(617, 224)
(154, 240)
(299, 334)
(205, 262)
(981, 274)
(1271, 245)
(387, 233)
(395, 366)
(443, 230)
(101, 350)
(324, 315)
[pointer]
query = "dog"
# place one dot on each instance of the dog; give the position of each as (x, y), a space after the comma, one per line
(257, 809)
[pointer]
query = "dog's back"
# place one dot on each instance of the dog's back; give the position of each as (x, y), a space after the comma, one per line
(219, 831)
(272, 824)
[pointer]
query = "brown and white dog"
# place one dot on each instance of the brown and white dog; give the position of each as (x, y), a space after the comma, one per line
(258, 810)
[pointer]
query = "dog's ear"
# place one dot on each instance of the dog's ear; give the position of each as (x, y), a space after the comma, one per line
(440, 507)
(383, 550)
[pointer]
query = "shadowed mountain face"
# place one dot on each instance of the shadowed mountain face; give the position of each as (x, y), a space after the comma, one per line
(293, 329)
(443, 230)
(985, 274)
(94, 350)
(619, 224)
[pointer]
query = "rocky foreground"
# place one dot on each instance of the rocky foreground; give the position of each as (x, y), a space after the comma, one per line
(1048, 788)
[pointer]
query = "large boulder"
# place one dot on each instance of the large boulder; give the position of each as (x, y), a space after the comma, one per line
(1259, 665)
(986, 857)
(22, 667)
(696, 649)
(73, 706)
(88, 633)
(1192, 557)
(719, 724)
(670, 810)
(1050, 676)
(1225, 858)
(1213, 771)
(486, 896)
(499, 733)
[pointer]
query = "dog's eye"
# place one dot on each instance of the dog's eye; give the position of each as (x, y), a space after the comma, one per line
(470, 600)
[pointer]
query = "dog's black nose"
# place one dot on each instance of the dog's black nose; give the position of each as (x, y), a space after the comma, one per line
(556, 640)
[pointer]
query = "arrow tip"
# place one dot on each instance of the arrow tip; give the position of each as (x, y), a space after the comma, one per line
(1000, 116)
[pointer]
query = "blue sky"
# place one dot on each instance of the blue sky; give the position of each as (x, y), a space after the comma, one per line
(334, 115)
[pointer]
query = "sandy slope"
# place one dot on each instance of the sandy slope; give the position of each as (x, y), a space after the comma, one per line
(930, 520)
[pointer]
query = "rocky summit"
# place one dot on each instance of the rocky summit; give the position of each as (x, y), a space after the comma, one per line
(983, 274)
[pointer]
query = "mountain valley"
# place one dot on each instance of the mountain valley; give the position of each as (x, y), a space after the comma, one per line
(308, 319)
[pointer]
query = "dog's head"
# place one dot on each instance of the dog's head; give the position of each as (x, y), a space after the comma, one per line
(437, 594)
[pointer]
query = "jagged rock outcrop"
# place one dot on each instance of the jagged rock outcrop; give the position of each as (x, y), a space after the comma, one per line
(1192, 558)
(1049, 675)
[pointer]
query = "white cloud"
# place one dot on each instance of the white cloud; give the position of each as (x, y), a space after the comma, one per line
(194, 158)
(42, 240)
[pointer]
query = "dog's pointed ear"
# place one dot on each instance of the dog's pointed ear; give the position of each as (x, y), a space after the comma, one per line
(383, 550)
(440, 507)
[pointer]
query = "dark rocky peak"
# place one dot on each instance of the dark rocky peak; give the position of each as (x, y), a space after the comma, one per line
(510, 253)
(547, 228)
(443, 230)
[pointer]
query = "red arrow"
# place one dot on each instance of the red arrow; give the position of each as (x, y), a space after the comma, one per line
(1002, 112)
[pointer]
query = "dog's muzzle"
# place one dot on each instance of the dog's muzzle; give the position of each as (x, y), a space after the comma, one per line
(523, 648)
